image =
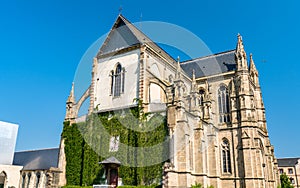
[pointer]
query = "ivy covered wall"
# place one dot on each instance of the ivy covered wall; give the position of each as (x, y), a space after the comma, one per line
(142, 147)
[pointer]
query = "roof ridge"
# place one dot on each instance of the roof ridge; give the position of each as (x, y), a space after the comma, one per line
(207, 56)
(289, 158)
(148, 39)
(42, 149)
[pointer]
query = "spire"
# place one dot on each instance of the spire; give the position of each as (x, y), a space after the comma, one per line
(240, 45)
(252, 67)
(240, 54)
(253, 71)
(71, 98)
(194, 84)
(178, 69)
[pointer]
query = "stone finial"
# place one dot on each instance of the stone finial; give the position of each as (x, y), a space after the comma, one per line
(70, 106)
(207, 93)
(240, 45)
(252, 67)
(71, 98)
(194, 84)
(178, 69)
(240, 54)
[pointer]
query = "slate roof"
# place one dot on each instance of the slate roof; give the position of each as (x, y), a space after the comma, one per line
(210, 65)
(37, 159)
(287, 162)
(124, 34)
(111, 160)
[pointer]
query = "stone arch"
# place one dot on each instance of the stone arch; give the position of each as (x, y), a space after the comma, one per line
(82, 99)
(162, 85)
(157, 95)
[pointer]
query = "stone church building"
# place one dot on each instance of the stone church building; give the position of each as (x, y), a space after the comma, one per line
(214, 106)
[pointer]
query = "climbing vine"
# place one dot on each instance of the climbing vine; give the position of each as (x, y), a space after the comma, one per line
(88, 143)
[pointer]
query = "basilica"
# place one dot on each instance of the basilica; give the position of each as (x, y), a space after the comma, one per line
(213, 104)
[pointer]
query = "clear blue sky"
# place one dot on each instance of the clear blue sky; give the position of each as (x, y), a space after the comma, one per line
(42, 42)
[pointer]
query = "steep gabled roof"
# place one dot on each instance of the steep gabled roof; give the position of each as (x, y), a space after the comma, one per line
(287, 162)
(210, 65)
(37, 159)
(124, 34)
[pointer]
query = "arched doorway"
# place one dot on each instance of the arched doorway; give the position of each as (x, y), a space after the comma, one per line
(2, 179)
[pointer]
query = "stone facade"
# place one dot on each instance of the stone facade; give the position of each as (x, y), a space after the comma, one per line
(216, 116)
(290, 167)
(9, 176)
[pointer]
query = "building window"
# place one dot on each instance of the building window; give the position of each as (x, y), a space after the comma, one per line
(280, 171)
(223, 100)
(23, 180)
(28, 181)
(123, 80)
(292, 180)
(290, 170)
(117, 81)
(226, 161)
(38, 177)
(201, 96)
(2, 179)
(112, 82)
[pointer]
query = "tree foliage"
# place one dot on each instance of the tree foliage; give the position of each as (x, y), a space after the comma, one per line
(285, 181)
(88, 143)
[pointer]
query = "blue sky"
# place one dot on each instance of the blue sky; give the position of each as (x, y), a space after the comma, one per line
(42, 43)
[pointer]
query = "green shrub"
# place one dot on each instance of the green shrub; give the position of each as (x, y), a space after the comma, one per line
(197, 185)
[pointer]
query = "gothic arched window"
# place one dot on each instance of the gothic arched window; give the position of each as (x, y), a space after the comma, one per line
(123, 80)
(2, 179)
(38, 177)
(226, 160)
(118, 78)
(28, 180)
(201, 96)
(117, 81)
(23, 180)
(223, 100)
(112, 82)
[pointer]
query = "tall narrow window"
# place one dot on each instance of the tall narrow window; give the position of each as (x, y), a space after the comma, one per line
(223, 101)
(123, 80)
(226, 162)
(201, 97)
(118, 80)
(28, 180)
(23, 180)
(112, 82)
(117, 86)
(38, 177)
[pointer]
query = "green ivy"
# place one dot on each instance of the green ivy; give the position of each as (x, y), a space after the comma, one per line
(85, 143)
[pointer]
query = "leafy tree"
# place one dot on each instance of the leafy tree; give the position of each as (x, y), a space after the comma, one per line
(285, 182)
